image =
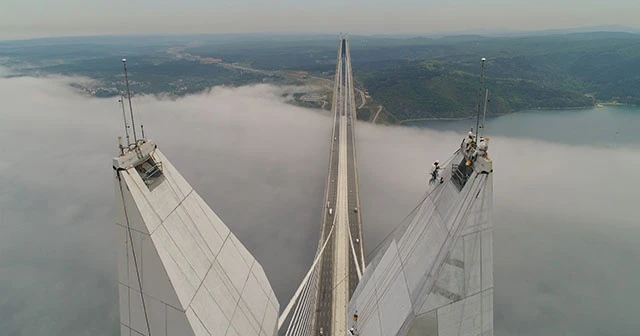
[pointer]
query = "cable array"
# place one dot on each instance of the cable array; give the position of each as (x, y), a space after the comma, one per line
(424, 212)
(304, 305)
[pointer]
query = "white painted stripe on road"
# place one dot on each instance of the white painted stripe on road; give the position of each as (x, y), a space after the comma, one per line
(355, 256)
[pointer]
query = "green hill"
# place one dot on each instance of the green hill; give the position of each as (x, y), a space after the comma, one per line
(521, 73)
(411, 78)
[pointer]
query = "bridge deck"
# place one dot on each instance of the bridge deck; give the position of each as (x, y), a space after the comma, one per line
(343, 256)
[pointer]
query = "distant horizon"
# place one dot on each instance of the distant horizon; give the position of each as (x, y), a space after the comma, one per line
(42, 18)
(488, 32)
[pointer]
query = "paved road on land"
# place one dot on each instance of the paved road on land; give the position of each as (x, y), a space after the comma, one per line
(363, 98)
(377, 114)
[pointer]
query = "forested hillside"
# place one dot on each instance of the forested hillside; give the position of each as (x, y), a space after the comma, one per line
(521, 73)
(412, 78)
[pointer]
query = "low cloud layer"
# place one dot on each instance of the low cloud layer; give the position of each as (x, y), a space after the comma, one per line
(565, 248)
(259, 163)
(565, 253)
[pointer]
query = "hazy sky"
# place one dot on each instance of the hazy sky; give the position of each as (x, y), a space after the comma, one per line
(33, 18)
(566, 228)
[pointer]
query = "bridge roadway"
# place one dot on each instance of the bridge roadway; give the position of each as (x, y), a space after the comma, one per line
(343, 257)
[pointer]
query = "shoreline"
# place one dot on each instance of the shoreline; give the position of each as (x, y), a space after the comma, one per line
(451, 118)
(557, 108)
(433, 119)
(598, 105)
(613, 104)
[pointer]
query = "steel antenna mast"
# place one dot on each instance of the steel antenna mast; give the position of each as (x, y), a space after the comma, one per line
(126, 78)
(480, 95)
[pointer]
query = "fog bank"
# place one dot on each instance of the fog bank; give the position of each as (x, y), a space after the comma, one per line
(565, 239)
(565, 234)
(257, 161)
